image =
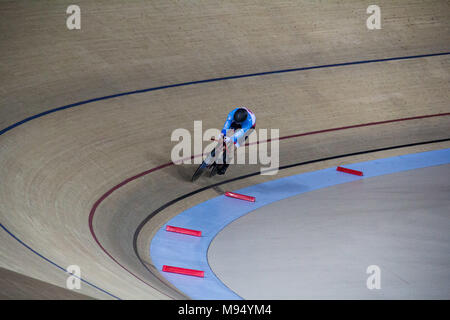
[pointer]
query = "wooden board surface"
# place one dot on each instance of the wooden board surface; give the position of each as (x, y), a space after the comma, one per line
(54, 168)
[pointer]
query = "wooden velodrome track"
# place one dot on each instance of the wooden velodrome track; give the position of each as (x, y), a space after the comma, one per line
(81, 185)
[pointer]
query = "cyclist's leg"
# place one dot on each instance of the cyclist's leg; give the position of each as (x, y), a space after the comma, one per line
(223, 168)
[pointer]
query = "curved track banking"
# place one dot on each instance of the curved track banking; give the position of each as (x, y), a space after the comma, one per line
(104, 196)
(58, 165)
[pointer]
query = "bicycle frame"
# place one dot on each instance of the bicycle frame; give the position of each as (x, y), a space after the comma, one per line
(216, 152)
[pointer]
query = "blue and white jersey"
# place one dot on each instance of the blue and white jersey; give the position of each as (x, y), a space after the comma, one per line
(239, 134)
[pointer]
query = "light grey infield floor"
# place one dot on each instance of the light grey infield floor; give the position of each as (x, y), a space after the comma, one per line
(318, 245)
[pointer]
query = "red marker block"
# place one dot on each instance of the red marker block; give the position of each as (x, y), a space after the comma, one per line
(188, 272)
(351, 171)
(184, 231)
(240, 196)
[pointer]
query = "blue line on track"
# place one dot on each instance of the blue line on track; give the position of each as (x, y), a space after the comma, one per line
(219, 79)
(54, 264)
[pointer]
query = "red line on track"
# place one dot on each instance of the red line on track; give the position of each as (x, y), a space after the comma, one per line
(110, 191)
(100, 200)
(361, 125)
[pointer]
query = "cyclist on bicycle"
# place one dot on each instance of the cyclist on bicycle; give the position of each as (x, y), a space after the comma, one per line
(241, 120)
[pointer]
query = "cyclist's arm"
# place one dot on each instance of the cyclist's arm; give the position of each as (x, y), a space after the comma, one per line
(240, 133)
(228, 122)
